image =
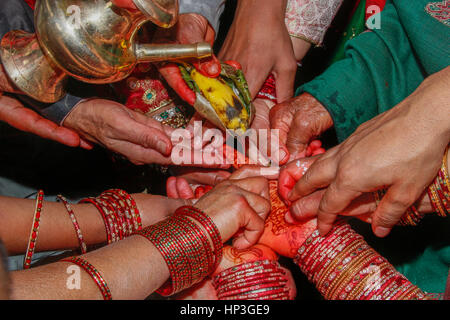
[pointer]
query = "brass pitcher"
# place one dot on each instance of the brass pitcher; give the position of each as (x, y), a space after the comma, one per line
(90, 40)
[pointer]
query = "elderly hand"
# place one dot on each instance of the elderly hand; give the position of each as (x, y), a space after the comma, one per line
(139, 138)
(299, 120)
(401, 149)
(259, 40)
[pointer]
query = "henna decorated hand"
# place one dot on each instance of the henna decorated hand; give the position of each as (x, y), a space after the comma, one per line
(283, 237)
(233, 257)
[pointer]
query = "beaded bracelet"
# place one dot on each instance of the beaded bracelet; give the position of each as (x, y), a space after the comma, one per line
(94, 274)
(183, 242)
(350, 274)
(73, 218)
(34, 231)
(268, 90)
(258, 280)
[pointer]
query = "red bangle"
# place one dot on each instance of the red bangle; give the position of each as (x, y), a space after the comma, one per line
(94, 274)
(132, 205)
(268, 90)
(121, 207)
(73, 218)
(258, 280)
(349, 270)
(209, 226)
(185, 247)
(103, 214)
(34, 231)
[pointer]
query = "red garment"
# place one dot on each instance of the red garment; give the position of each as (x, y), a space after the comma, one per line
(31, 3)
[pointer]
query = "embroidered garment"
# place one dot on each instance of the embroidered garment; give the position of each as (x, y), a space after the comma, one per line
(310, 19)
(146, 92)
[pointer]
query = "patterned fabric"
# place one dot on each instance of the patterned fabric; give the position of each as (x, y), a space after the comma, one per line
(145, 92)
(440, 11)
(310, 19)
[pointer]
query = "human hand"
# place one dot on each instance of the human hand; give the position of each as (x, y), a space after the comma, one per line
(238, 205)
(16, 115)
(233, 257)
(400, 149)
(139, 138)
(280, 235)
(306, 208)
(259, 27)
(299, 120)
(191, 28)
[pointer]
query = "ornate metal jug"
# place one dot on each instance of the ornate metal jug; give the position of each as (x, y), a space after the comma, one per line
(90, 40)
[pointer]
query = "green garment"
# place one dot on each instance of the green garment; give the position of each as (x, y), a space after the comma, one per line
(354, 28)
(380, 69)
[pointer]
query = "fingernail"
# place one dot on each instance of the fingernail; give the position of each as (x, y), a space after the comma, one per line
(382, 232)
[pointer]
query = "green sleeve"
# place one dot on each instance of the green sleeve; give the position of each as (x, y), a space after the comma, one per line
(379, 70)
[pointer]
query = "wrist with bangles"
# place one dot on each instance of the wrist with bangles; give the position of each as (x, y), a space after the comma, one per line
(184, 240)
(438, 193)
(257, 280)
(351, 269)
(190, 244)
(118, 209)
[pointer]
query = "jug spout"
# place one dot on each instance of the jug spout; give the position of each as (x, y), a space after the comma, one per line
(172, 52)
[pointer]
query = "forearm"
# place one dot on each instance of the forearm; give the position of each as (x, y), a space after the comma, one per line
(56, 230)
(130, 274)
(272, 8)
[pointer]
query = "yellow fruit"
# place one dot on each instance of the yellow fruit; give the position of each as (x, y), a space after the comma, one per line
(222, 98)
